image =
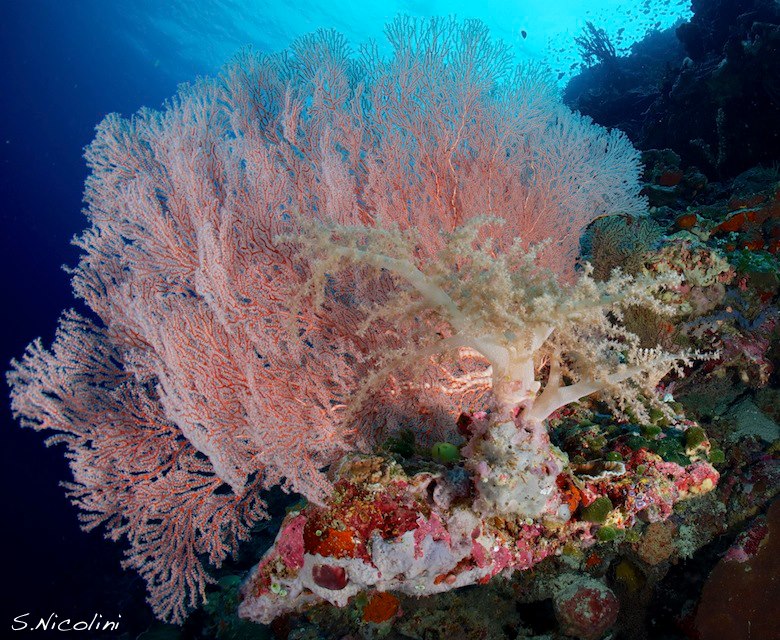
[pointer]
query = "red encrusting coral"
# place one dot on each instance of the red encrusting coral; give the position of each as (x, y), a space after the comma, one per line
(381, 607)
(586, 611)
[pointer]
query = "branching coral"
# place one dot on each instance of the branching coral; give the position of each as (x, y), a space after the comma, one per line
(595, 46)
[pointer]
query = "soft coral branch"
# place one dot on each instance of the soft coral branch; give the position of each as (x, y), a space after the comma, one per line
(570, 328)
(591, 348)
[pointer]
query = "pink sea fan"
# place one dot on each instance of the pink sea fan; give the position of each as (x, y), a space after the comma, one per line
(197, 383)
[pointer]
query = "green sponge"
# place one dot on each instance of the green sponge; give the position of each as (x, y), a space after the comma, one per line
(597, 510)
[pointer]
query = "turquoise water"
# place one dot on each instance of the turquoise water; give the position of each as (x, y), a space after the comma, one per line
(203, 35)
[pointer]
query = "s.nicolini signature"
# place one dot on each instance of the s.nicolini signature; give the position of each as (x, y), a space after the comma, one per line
(55, 622)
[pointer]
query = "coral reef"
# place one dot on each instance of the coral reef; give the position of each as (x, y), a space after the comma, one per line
(656, 569)
(357, 278)
(199, 378)
(618, 92)
(585, 608)
(688, 89)
(619, 241)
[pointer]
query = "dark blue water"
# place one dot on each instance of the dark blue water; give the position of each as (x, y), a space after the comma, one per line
(63, 70)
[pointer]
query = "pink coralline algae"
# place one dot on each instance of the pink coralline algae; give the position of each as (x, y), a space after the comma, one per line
(291, 547)
(748, 542)
(393, 536)
(585, 608)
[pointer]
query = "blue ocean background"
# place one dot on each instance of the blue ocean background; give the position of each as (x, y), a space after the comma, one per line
(65, 65)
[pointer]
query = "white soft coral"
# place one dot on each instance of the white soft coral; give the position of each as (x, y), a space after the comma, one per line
(544, 344)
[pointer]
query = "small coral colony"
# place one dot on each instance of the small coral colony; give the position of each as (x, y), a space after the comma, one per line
(417, 290)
